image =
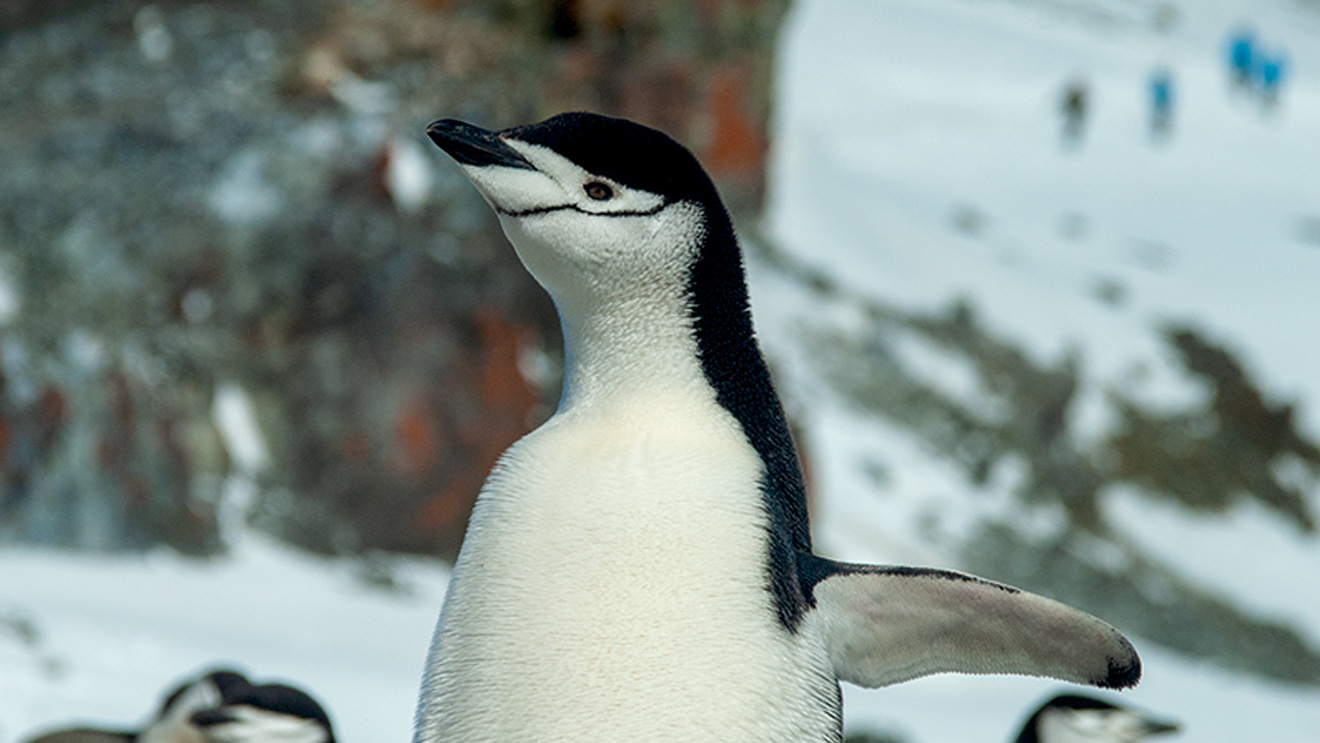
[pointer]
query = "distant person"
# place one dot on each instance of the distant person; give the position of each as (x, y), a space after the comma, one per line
(1271, 68)
(1241, 57)
(1161, 101)
(1073, 108)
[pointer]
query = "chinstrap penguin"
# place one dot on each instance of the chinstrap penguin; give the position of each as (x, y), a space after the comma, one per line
(639, 568)
(172, 723)
(1081, 718)
(268, 713)
(1067, 718)
(221, 706)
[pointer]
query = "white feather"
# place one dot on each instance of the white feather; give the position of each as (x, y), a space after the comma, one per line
(255, 725)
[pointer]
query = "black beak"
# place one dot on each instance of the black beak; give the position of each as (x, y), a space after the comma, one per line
(472, 145)
(211, 717)
(1159, 727)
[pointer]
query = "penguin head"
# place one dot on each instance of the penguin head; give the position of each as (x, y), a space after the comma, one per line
(591, 203)
(211, 689)
(269, 713)
(173, 723)
(1075, 718)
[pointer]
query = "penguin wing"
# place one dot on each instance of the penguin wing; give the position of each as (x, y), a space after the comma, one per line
(887, 624)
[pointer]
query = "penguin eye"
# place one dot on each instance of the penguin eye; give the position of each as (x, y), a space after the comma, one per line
(598, 191)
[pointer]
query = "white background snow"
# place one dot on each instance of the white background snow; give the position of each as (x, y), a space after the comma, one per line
(895, 117)
(892, 117)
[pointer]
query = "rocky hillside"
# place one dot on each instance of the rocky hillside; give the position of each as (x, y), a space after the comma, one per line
(239, 196)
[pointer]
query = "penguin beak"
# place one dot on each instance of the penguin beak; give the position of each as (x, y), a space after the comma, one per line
(211, 717)
(1158, 727)
(472, 145)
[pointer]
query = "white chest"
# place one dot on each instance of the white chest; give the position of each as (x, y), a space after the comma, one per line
(613, 587)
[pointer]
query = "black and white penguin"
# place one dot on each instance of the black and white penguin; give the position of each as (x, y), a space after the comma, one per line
(1080, 718)
(639, 568)
(268, 713)
(221, 706)
(172, 723)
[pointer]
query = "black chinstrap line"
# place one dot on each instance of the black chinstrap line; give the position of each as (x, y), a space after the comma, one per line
(561, 207)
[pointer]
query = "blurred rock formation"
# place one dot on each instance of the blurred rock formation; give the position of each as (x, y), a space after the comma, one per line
(1015, 437)
(239, 193)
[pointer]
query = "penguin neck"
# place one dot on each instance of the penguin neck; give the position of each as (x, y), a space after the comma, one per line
(633, 344)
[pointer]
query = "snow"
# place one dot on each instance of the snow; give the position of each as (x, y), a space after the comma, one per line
(408, 176)
(1210, 706)
(918, 160)
(1246, 554)
(236, 419)
(241, 193)
(113, 634)
(893, 116)
(895, 120)
(8, 297)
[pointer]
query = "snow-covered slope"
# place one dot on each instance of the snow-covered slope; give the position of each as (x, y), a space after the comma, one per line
(893, 117)
(919, 161)
(94, 639)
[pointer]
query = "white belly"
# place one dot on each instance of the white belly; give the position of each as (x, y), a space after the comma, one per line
(612, 587)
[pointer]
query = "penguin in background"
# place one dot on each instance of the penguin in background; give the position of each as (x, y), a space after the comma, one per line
(266, 713)
(221, 706)
(171, 722)
(1082, 718)
(639, 568)
(1067, 718)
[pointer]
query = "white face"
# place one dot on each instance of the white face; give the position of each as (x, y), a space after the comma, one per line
(253, 725)
(1092, 726)
(578, 232)
(173, 726)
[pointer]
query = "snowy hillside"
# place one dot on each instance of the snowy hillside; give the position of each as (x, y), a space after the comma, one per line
(920, 167)
(98, 640)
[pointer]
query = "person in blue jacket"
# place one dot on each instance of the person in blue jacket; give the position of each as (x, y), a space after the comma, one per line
(1161, 101)
(1241, 56)
(1270, 77)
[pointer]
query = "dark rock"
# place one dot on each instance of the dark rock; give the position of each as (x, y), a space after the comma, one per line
(198, 194)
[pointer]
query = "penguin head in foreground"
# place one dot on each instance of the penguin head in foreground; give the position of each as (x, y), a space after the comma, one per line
(594, 205)
(1077, 718)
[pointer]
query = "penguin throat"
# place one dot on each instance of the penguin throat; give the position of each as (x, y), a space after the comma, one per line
(642, 345)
